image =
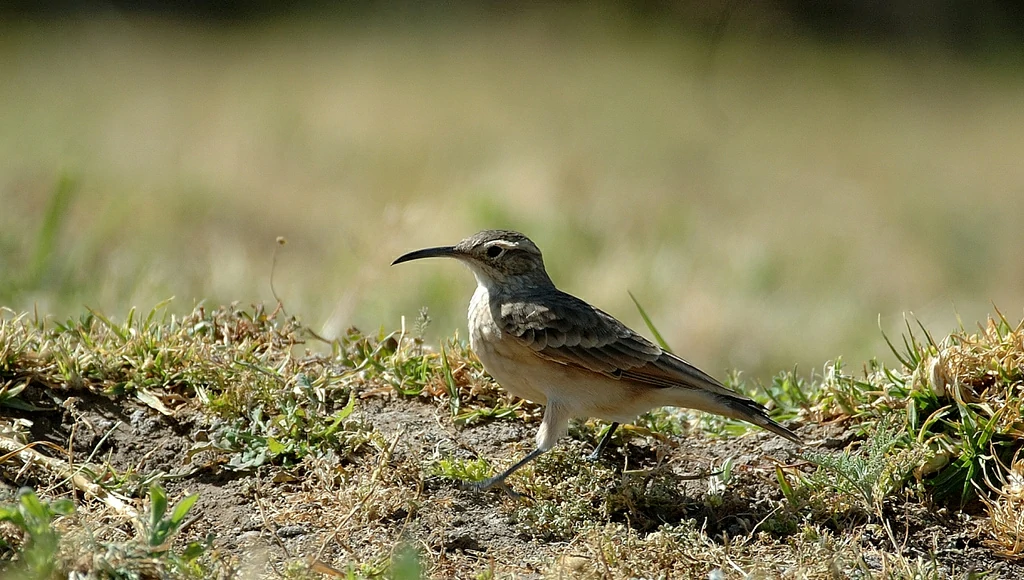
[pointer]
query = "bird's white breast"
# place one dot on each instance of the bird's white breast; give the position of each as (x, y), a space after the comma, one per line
(503, 358)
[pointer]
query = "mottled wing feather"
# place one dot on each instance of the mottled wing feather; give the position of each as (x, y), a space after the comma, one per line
(564, 329)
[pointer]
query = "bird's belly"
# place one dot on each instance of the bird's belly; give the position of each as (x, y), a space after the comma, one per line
(505, 368)
(581, 393)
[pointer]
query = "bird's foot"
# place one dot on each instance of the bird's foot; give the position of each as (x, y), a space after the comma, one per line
(593, 456)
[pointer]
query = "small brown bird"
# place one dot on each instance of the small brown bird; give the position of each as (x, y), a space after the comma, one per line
(549, 347)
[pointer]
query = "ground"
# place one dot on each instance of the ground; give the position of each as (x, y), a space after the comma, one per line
(389, 487)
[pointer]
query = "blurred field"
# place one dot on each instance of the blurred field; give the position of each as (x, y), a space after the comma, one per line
(767, 201)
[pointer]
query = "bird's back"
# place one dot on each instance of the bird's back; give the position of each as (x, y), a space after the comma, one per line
(592, 347)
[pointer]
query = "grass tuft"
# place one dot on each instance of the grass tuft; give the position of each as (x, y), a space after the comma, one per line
(962, 398)
(468, 470)
(46, 552)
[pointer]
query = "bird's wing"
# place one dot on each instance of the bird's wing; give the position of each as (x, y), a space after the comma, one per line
(564, 329)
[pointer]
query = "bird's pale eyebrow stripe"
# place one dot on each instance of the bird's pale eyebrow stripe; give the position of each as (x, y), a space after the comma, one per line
(503, 244)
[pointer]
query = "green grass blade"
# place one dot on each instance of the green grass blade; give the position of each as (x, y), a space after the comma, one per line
(56, 212)
(182, 508)
(650, 325)
(892, 347)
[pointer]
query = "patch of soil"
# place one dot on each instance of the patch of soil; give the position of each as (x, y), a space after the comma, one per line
(270, 514)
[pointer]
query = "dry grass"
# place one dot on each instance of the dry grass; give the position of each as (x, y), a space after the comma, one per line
(1006, 514)
(299, 473)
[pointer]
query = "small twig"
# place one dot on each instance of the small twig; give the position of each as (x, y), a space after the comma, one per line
(273, 268)
(103, 439)
(30, 456)
(454, 435)
(604, 559)
(321, 568)
(735, 566)
(268, 526)
(386, 456)
(763, 520)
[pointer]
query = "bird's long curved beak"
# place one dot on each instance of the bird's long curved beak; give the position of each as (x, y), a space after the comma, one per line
(440, 252)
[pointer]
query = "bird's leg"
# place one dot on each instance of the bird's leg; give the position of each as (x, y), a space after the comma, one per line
(552, 428)
(604, 442)
(500, 478)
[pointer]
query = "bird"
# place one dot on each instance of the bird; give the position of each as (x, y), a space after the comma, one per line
(552, 348)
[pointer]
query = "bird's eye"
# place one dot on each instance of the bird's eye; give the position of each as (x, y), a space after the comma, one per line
(494, 252)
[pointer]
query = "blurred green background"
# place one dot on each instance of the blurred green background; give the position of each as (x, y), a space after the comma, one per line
(768, 184)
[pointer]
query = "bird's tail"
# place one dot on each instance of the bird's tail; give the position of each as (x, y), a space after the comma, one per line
(744, 409)
(688, 386)
(733, 405)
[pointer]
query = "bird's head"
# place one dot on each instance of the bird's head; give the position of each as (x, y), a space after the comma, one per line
(496, 257)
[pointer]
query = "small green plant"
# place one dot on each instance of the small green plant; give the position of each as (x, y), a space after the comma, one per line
(471, 470)
(423, 321)
(718, 482)
(849, 483)
(786, 395)
(977, 452)
(160, 527)
(666, 421)
(296, 425)
(481, 414)
(37, 557)
(865, 480)
(9, 396)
